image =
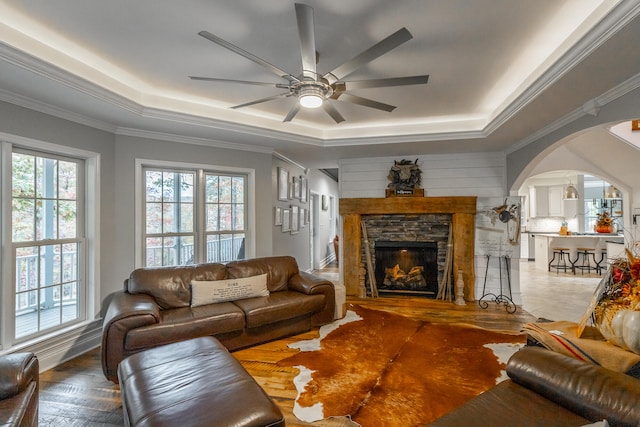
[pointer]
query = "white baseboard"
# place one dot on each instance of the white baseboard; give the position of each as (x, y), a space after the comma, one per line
(66, 346)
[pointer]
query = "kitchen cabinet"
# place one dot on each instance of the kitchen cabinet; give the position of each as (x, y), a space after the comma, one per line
(556, 203)
(545, 201)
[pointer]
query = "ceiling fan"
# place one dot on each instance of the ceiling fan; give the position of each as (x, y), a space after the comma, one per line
(313, 90)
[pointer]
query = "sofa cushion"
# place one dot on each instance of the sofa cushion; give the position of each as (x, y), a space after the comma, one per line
(509, 404)
(279, 306)
(278, 269)
(169, 286)
(205, 292)
(185, 323)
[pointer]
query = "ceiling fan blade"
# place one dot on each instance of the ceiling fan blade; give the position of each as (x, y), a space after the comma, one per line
(292, 113)
(375, 51)
(258, 101)
(366, 102)
(304, 16)
(393, 81)
(335, 115)
(244, 82)
(275, 70)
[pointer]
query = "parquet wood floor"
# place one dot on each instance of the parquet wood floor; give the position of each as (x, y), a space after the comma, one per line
(77, 394)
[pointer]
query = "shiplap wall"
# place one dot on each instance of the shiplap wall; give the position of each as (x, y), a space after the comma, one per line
(482, 175)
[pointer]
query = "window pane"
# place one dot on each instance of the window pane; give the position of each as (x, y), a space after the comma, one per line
(213, 248)
(153, 180)
(50, 265)
(68, 180)
(238, 217)
(238, 190)
(225, 217)
(22, 175)
(186, 187)
(67, 219)
(154, 218)
(169, 251)
(186, 218)
(27, 318)
(46, 178)
(70, 262)
(238, 246)
(169, 224)
(23, 217)
(187, 255)
(46, 219)
(169, 183)
(212, 217)
(153, 251)
(26, 268)
(225, 189)
(211, 189)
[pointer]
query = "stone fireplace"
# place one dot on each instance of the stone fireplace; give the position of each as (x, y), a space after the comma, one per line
(408, 219)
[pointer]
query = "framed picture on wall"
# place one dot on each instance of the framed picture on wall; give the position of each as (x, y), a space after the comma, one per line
(296, 187)
(286, 220)
(295, 219)
(283, 184)
(303, 189)
(277, 216)
(303, 213)
(325, 202)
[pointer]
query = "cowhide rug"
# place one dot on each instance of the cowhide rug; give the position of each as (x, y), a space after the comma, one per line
(383, 369)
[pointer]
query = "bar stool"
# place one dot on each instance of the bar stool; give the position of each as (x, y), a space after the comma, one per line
(599, 266)
(561, 263)
(586, 254)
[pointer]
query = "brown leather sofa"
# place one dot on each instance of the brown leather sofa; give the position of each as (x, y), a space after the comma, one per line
(550, 389)
(154, 308)
(19, 389)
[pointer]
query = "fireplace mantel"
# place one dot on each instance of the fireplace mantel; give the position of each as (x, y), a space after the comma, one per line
(462, 210)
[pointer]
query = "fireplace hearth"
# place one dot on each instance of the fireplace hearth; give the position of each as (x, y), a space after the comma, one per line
(407, 268)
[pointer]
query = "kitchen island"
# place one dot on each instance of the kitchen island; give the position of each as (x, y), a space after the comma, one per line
(545, 242)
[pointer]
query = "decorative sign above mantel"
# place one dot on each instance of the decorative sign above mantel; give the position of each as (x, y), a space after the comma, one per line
(405, 177)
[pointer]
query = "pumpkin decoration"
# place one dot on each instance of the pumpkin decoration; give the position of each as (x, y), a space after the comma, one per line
(617, 314)
(604, 223)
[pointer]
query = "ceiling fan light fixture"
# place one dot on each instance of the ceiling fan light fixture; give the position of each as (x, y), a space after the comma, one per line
(310, 96)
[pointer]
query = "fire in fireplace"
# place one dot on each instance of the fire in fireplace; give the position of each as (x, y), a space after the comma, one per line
(407, 267)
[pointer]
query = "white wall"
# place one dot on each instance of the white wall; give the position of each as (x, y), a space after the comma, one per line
(287, 243)
(469, 174)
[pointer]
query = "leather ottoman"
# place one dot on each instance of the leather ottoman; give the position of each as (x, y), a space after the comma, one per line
(192, 383)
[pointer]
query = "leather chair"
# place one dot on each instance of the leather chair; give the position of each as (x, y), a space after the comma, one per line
(19, 389)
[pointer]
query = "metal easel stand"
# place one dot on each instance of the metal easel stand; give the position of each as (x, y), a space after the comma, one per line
(506, 300)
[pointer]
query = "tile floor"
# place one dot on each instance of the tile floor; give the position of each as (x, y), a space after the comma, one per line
(562, 296)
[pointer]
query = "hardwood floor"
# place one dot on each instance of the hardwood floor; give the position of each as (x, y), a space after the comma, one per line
(77, 394)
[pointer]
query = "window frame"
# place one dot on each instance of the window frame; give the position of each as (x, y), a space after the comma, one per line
(200, 234)
(89, 270)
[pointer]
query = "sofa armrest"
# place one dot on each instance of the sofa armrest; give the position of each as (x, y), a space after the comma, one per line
(311, 284)
(594, 392)
(126, 312)
(17, 371)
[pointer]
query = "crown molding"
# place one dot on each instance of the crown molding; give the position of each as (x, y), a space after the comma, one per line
(162, 136)
(591, 107)
(606, 28)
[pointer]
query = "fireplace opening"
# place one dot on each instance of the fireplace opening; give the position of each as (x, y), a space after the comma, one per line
(409, 268)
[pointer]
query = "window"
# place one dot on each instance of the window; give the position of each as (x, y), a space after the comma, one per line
(47, 234)
(193, 216)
